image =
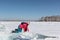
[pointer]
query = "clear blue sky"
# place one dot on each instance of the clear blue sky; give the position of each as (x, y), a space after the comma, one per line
(28, 9)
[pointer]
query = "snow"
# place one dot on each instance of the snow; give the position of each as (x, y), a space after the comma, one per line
(44, 28)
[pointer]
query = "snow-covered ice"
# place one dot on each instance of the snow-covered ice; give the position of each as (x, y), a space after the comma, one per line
(36, 28)
(24, 36)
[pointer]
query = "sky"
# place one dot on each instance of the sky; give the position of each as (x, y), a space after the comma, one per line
(28, 9)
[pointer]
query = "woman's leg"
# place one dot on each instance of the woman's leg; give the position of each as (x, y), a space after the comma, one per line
(19, 29)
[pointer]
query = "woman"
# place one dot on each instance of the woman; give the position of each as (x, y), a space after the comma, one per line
(24, 26)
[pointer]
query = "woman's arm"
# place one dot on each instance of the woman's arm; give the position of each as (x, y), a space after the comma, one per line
(28, 29)
(21, 26)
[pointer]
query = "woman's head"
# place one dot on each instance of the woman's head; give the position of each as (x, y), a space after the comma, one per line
(25, 22)
(22, 22)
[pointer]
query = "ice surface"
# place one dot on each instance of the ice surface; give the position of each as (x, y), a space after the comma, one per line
(22, 36)
(29, 36)
(37, 30)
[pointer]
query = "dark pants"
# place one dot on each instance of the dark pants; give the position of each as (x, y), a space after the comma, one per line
(18, 30)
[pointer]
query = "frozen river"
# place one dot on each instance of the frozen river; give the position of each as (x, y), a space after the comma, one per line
(42, 28)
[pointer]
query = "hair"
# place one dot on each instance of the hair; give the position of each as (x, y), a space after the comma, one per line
(23, 22)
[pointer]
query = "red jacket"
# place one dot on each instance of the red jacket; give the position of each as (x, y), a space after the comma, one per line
(24, 26)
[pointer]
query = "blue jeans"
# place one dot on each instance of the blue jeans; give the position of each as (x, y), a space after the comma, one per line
(19, 30)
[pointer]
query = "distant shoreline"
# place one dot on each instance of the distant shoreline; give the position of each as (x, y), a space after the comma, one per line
(21, 20)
